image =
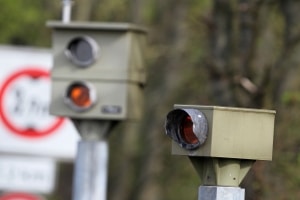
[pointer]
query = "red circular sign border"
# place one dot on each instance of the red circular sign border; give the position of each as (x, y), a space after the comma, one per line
(33, 72)
(8, 196)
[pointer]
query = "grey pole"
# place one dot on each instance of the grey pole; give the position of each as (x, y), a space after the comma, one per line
(220, 193)
(67, 10)
(91, 171)
(90, 176)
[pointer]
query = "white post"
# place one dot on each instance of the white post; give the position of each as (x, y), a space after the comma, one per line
(91, 167)
(91, 171)
(67, 10)
(221, 193)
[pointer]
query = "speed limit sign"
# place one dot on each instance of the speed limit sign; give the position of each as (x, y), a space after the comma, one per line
(22, 107)
(26, 127)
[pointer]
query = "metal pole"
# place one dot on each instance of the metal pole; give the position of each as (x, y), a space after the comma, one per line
(90, 176)
(220, 193)
(67, 10)
(91, 171)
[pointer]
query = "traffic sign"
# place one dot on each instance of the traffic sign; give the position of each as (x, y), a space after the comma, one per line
(20, 97)
(27, 173)
(26, 127)
(20, 196)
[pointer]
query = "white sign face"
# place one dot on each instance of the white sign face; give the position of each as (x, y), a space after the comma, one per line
(25, 124)
(24, 104)
(27, 174)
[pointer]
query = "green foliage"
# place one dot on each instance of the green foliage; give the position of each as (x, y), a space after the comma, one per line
(291, 98)
(107, 10)
(23, 22)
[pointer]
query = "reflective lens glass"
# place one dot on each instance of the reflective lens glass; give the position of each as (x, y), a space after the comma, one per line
(81, 50)
(187, 132)
(79, 95)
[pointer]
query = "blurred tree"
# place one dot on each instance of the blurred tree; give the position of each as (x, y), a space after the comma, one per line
(19, 17)
(243, 72)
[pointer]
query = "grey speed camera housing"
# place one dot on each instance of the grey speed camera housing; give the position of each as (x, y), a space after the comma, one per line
(106, 57)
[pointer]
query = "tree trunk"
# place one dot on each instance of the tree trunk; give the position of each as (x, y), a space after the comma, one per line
(172, 40)
(83, 9)
(220, 48)
(291, 40)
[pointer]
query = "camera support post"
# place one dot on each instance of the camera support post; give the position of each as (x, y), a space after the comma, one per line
(91, 165)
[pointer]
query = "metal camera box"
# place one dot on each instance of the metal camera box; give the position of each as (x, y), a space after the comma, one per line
(117, 48)
(234, 133)
(98, 70)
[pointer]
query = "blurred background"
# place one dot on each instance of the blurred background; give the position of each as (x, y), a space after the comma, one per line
(241, 53)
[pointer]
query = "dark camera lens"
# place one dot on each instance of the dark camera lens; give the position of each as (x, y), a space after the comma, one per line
(82, 51)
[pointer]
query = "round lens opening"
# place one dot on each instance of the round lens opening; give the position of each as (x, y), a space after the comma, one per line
(187, 127)
(82, 51)
(80, 96)
(187, 132)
